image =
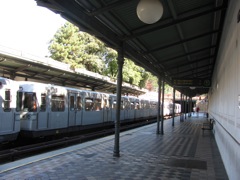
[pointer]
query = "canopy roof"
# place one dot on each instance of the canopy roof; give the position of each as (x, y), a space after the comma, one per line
(181, 47)
(18, 64)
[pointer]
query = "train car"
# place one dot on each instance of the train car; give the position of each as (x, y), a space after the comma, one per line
(9, 117)
(145, 107)
(95, 108)
(124, 107)
(153, 108)
(166, 109)
(49, 109)
(43, 109)
(177, 108)
(138, 109)
(131, 111)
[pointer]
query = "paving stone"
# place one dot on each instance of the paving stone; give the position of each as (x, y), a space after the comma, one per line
(183, 152)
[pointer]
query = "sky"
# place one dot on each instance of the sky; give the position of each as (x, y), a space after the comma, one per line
(27, 27)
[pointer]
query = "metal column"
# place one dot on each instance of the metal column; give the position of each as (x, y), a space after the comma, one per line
(174, 91)
(189, 107)
(162, 113)
(186, 107)
(182, 107)
(159, 104)
(116, 151)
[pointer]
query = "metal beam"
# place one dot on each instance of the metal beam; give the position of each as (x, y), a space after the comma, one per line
(182, 72)
(189, 63)
(187, 54)
(181, 41)
(167, 23)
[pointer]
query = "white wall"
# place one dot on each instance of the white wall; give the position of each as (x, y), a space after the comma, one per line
(224, 96)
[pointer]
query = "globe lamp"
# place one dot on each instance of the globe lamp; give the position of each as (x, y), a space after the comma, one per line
(149, 11)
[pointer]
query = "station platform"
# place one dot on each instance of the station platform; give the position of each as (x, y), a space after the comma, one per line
(185, 151)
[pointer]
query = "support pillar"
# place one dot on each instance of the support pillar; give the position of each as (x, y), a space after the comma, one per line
(182, 107)
(159, 104)
(116, 151)
(189, 107)
(186, 107)
(173, 116)
(162, 113)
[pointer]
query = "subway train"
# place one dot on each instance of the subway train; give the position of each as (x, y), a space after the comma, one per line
(34, 109)
(9, 117)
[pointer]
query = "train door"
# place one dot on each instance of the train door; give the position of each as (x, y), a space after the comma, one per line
(31, 103)
(9, 117)
(137, 113)
(93, 108)
(110, 109)
(131, 113)
(75, 109)
(58, 117)
(106, 109)
(42, 121)
(113, 107)
(124, 108)
(6, 112)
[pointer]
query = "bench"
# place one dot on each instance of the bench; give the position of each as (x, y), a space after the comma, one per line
(208, 125)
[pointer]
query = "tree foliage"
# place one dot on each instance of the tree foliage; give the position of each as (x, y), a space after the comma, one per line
(78, 49)
(81, 50)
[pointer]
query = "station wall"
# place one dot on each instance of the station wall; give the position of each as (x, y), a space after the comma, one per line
(224, 95)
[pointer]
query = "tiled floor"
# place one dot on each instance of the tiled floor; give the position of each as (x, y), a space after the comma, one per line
(183, 152)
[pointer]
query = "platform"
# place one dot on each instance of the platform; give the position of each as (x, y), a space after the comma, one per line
(185, 151)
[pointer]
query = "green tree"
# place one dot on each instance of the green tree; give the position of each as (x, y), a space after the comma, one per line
(131, 72)
(111, 66)
(78, 49)
(81, 50)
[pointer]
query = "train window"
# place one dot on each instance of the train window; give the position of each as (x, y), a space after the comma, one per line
(26, 101)
(132, 105)
(114, 105)
(153, 106)
(147, 105)
(137, 105)
(106, 103)
(58, 103)
(71, 103)
(43, 102)
(97, 105)
(19, 101)
(143, 105)
(110, 103)
(79, 103)
(7, 100)
(88, 104)
(122, 105)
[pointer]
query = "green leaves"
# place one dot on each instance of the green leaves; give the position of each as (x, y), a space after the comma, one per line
(81, 50)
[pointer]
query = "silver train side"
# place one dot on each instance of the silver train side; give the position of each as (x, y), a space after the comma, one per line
(36, 109)
(9, 117)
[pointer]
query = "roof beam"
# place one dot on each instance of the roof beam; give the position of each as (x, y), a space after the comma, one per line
(105, 8)
(186, 71)
(192, 62)
(199, 72)
(167, 23)
(181, 41)
(187, 54)
(23, 68)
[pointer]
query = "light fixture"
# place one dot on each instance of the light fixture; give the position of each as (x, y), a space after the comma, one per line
(149, 11)
(192, 88)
